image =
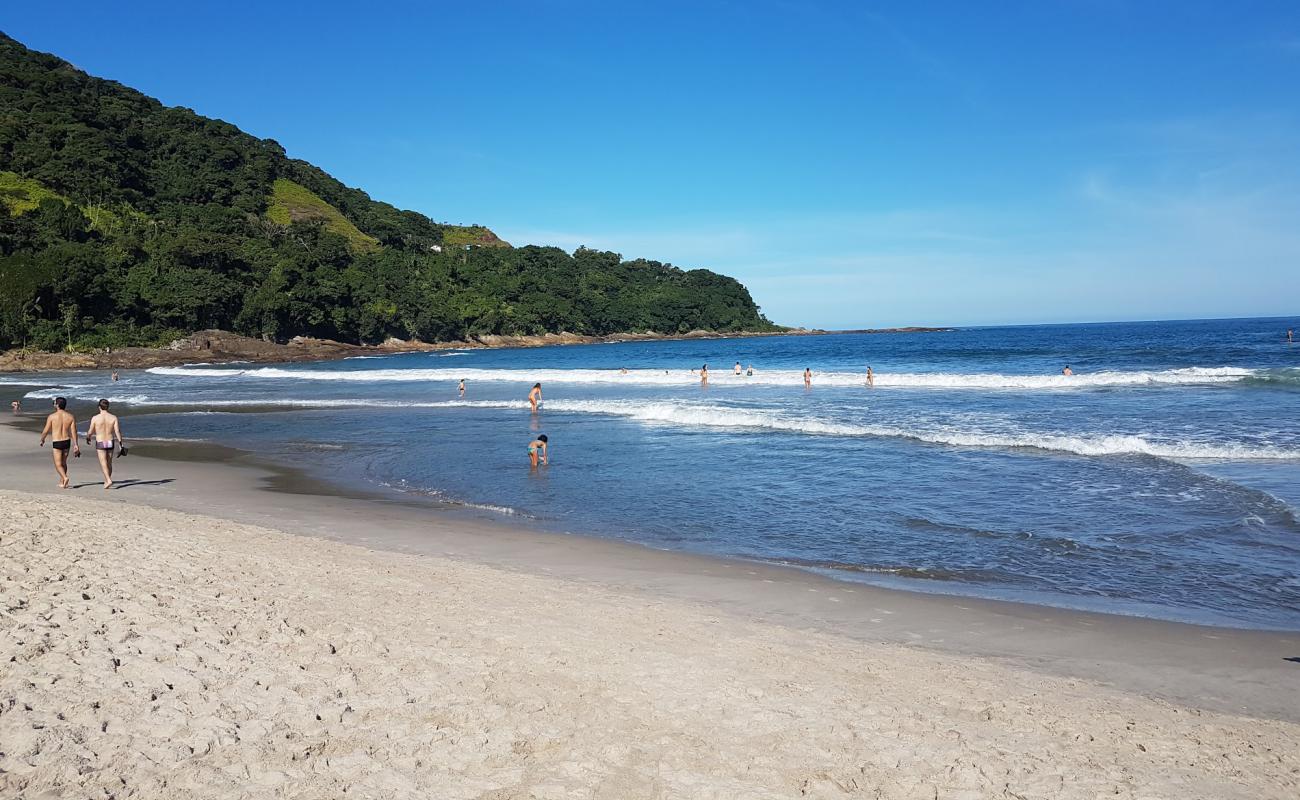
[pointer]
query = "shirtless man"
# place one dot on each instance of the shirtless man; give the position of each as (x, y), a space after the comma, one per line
(106, 432)
(535, 396)
(1067, 371)
(807, 377)
(736, 369)
(61, 427)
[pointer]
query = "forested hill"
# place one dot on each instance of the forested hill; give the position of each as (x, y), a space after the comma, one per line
(123, 221)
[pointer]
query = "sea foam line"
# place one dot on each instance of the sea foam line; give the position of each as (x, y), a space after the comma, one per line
(654, 377)
(1115, 444)
(726, 417)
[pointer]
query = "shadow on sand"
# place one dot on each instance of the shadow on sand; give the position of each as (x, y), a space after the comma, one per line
(123, 484)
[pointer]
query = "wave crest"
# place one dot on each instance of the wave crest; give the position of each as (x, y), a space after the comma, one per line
(654, 377)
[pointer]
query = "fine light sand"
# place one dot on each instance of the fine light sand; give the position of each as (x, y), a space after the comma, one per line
(147, 652)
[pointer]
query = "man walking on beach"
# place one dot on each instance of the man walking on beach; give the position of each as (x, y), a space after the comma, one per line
(61, 427)
(106, 433)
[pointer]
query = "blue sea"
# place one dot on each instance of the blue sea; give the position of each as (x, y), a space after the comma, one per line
(1162, 479)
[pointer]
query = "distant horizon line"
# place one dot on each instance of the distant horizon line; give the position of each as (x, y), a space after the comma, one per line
(954, 326)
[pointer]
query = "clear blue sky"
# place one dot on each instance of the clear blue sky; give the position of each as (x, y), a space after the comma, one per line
(855, 164)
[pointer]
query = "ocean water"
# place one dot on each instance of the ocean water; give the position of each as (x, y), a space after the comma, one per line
(1161, 479)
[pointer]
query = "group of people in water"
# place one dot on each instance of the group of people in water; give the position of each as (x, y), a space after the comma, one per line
(104, 434)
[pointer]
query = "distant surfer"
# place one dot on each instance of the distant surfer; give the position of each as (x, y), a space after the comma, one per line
(61, 427)
(535, 396)
(461, 387)
(807, 377)
(107, 433)
(736, 369)
(1067, 370)
(871, 377)
(536, 448)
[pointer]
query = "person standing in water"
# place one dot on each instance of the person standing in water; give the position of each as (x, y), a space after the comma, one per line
(871, 377)
(106, 431)
(704, 374)
(535, 396)
(61, 427)
(749, 373)
(461, 388)
(1290, 336)
(535, 448)
(1067, 370)
(736, 369)
(114, 376)
(807, 377)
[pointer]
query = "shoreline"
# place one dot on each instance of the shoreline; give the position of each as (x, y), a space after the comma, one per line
(1212, 668)
(216, 347)
(198, 348)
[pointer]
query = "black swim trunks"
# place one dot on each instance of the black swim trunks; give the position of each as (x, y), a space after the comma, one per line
(62, 444)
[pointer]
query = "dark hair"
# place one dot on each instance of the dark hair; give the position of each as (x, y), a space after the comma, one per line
(60, 403)
(103, 405)
(542, 438)
(537, 386)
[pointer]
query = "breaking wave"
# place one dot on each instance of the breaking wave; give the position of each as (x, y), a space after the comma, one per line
(726, 417)
(654, 377)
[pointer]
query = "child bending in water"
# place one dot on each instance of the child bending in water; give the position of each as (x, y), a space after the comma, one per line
(534, 447)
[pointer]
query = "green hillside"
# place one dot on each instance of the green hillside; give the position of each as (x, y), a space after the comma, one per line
(130, 222)
(291, 202)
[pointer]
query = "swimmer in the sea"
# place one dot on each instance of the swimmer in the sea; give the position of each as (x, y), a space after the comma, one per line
(461, 387)
(535, 396)
(61, 427)
(704, 374)
(750, 372)
(871, 377)
(1067, 370)
(536, 448)
(106, 432)
(807, 377)
(736, 369)
(115, 376)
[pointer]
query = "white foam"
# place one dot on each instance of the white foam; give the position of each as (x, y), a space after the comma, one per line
(406, 488)
(290, 402)
(725, 417)
(718, 416)
(654, 377)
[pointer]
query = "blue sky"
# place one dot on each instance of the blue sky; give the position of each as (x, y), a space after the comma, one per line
(854, 164)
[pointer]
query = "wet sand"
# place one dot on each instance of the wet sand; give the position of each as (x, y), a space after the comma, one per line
(479, 658)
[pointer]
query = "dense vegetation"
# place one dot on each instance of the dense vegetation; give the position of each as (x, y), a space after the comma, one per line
(126, 222)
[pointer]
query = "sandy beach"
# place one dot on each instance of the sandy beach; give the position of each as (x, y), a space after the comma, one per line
(193, 634)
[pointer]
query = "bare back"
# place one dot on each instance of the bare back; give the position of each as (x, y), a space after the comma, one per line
(61, 426)
(103, 426)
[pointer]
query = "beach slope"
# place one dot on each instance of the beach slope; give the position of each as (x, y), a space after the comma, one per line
(153, 653)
